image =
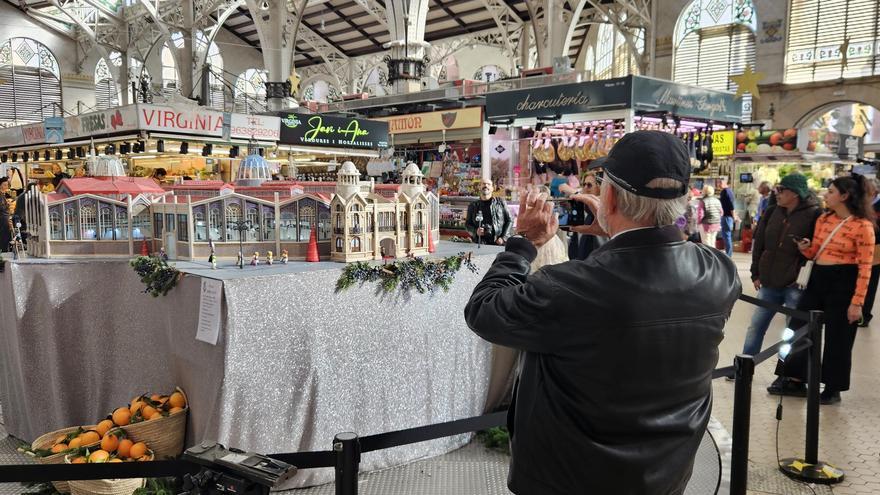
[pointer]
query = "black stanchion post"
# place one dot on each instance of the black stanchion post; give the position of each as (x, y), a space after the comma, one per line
(742, 405)
(810, 469)
(348, 458)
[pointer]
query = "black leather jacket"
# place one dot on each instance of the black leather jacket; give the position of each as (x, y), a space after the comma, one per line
(615, 389)
(501, 223)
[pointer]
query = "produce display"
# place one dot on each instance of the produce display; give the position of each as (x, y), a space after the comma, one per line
(766, 141)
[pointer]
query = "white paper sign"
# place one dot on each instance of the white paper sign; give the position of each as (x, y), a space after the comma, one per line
(209, 311)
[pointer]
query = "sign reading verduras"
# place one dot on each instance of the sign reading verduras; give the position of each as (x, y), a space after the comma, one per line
(448, 120)
(550, 101)
(335, 132)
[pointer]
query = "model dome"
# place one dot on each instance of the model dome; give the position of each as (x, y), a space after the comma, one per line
(412, 170)
(348, 168)
(253, 171)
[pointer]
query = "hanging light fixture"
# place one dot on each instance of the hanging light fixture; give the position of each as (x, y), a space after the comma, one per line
(59, 154)
(160, 146)
(184, 148)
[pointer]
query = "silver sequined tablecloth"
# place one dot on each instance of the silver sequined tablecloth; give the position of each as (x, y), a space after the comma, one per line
(296, 362)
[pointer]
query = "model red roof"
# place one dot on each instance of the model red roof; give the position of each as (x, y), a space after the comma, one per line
(111, 185)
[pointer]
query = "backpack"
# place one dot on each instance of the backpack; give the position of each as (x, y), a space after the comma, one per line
(710, 215)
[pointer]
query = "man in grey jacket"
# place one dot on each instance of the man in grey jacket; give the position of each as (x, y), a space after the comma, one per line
(615, 390)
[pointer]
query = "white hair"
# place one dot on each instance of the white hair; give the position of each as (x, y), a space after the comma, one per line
(645, 210)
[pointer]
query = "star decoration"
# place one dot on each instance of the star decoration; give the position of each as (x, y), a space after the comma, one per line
(294, 84)
(844, 53)
(799, 465)
(747, 82)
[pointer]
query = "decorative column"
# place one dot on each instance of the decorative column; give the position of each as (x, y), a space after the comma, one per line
(275, 29)
(406, 61)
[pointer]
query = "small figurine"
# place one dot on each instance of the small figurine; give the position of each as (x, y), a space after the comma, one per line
(162, 254)
(212, 258)
(240, 261)
(283, 256)
(269, 258)
(255, 259)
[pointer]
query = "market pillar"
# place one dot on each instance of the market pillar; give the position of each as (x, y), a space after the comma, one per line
(486, 152)
(275, 27)
(406, 25)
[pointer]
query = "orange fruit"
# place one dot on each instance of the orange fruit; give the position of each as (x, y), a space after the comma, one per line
(177, 400)
(104, 426)
(75, 443)
(122, 416)
(90, 437)
(78, 460)
(157, 415)
(137, 450)
(110, 443)
(115, 459)
(124, 448)
(148, 411)
(135, 406)
(59, 447)
(175, 410)
(155, 397)
(99, 456)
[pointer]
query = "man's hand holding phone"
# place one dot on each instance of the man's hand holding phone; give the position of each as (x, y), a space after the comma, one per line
(592, 203)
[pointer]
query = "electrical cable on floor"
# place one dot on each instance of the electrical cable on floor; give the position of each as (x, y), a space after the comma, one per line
(778, 422)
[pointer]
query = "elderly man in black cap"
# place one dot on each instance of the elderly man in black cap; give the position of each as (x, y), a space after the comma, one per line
(615, 390)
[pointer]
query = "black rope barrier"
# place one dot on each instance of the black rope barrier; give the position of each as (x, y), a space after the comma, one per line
(794, 313)
(432, 432)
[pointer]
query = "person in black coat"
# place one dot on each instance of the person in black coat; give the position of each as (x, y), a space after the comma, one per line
(615, 388)
(5, 216)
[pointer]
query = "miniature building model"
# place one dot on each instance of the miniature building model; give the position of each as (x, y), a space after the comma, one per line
(368, 225)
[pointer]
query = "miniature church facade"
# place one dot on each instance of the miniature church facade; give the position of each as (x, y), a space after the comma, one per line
(369, 226)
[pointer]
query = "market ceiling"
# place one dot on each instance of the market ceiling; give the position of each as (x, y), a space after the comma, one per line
(346, 25)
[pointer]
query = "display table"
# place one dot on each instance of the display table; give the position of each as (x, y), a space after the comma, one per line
(295, 364)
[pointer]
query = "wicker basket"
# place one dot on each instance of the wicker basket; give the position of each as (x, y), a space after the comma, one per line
(46, 441)
(125, 486)
(164, 436)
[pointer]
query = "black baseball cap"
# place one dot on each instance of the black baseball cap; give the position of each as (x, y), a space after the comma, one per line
(642, 156)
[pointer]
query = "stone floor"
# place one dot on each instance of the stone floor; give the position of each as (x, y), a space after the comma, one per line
(849, 435)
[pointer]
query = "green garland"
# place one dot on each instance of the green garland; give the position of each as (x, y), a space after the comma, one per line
(159, 276)
(412, 273)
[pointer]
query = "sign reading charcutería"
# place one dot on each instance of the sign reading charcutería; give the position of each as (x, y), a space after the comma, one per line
(549, 101)
(337, 132)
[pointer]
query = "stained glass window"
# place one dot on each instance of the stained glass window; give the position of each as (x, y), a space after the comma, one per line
(250, 91)
(31, 89)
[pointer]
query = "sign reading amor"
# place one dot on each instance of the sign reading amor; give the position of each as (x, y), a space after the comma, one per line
(465, 118)
(198, 121)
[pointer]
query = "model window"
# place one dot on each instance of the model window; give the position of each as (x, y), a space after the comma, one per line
(70, 228)
(216, 223)
(420, 240)
(182, 230)
(140, 226)
(88, 217)
(323, 225)
(306, 220)
(339, 244)
(420, 221)
(288, 223)
(268, 228)
(404, 220)
(355, 244)
(121, 230)
(55, 231)
(157, 219)
(253, 218)
(106, 223)
(201, 228)
(233, 218)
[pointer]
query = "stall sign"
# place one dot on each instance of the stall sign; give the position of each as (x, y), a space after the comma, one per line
(655, 95)
(11, 136)
(825, 142)
(196, 120)
(766, 141)
(34, 134)
(101, 123)
(464, 118)
(548, 101)
(260, 127)
(850, 146)
(723, 143)
(322, 130)
(54, 129)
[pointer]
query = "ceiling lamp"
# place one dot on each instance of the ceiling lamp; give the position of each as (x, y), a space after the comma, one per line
(59, 154)
(184, 148)
(160, 146)
(264, 5)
